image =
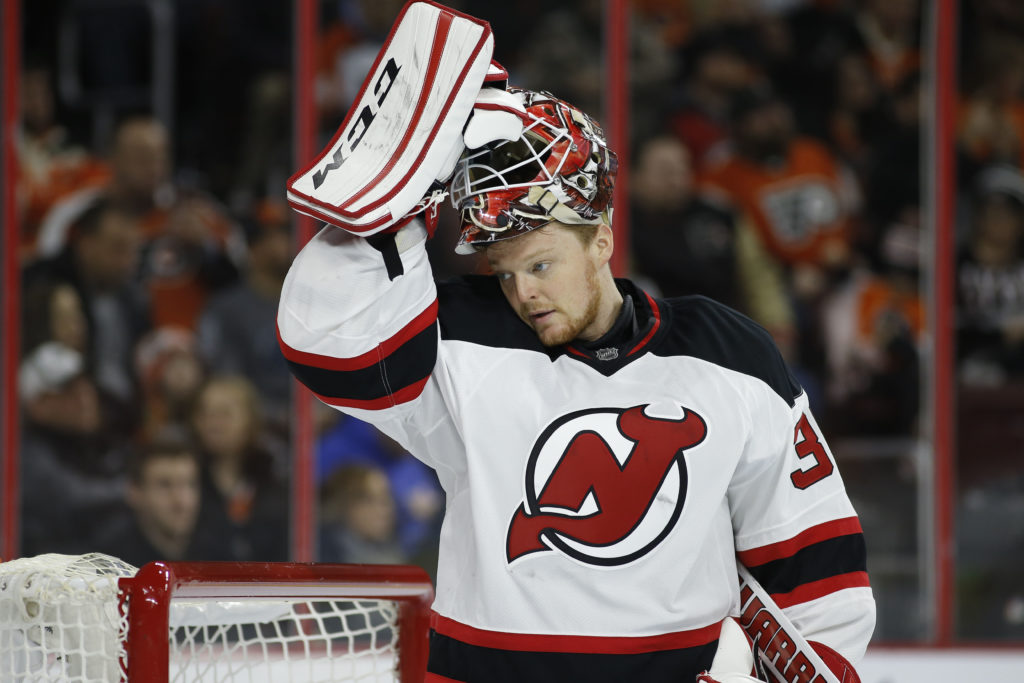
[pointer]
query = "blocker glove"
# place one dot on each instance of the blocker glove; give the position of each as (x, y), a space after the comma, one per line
(391, 158)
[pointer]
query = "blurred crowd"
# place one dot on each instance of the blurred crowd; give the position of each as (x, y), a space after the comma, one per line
(777, 166)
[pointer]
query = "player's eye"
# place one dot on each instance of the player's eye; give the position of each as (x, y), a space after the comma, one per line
(540, 267)
(503, 277)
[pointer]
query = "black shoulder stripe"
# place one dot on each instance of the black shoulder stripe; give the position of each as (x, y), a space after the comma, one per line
(822, 560)
(407, 366)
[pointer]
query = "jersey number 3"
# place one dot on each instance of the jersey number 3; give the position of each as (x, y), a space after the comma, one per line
(808, 444)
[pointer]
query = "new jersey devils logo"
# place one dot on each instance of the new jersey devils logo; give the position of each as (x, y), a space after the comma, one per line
(604, 486)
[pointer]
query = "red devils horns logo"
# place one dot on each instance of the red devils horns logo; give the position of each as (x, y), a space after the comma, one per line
(604, 486)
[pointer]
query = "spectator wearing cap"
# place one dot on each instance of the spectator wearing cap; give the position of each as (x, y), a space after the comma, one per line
(990, 281)
(171, 372)
(64, 448)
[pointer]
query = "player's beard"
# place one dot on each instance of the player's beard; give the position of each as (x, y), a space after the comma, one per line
(563, 334)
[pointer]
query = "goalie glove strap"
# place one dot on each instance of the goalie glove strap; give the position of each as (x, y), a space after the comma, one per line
(386, 244)
(396, 241)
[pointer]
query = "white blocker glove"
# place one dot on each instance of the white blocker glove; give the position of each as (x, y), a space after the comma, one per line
(403, 136)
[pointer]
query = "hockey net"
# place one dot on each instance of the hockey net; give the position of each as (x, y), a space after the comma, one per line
(95, 619)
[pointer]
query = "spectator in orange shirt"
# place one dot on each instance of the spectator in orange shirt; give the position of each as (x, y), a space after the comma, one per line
(800, 202)
(794, 190)
(873, 326)
(191, 245)
(50, 167)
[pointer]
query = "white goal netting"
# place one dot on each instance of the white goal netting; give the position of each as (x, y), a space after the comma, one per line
(59, 619)
(64, 618)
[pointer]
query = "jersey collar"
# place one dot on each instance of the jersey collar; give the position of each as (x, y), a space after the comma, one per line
(638, 322)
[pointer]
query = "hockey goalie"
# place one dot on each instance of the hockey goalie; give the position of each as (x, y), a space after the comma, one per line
(611, 460)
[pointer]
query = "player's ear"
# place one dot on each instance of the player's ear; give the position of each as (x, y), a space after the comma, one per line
(604, 243)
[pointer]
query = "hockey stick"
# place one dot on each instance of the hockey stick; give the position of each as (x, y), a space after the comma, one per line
(786, 655)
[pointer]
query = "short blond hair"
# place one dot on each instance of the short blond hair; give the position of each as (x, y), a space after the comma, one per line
(585, 233)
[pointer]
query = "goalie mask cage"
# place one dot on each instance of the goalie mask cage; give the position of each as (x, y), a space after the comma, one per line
(95, 619)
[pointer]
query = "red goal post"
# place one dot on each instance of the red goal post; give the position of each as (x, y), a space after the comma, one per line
(95, 619)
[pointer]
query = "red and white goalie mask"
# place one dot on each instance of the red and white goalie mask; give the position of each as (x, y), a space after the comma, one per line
(558, 169)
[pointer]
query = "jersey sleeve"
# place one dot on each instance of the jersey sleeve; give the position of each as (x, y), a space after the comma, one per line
(795, 528)
(360, 341)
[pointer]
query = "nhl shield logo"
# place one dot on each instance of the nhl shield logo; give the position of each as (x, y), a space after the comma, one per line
(604, 486)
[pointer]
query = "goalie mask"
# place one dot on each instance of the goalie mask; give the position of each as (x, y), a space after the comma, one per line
(559, 169)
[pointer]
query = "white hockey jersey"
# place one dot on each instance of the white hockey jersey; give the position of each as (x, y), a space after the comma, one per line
(597, 497)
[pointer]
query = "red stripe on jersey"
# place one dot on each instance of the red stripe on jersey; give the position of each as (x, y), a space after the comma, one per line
(819, 589)
(576, 352)
(808, 537)
(657, 323)
(535, 642)
(403, 395)
(371, 357)
(435, 678)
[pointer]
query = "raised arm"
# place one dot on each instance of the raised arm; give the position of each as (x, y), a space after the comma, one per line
(355, 337)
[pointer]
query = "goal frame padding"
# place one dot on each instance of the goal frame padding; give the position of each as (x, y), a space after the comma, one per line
(147, 598)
